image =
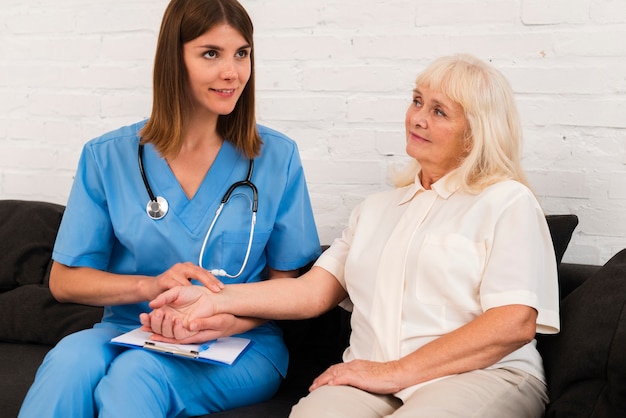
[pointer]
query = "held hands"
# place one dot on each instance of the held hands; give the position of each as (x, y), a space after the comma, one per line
(167, 320)
(175, 311)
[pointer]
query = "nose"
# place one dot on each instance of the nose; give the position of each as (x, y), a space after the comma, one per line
(229, 72)
(416, 116)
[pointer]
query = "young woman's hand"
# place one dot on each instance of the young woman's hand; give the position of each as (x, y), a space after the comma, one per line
(181, 274)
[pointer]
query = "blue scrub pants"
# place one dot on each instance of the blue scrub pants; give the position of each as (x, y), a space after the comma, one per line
(85, 376)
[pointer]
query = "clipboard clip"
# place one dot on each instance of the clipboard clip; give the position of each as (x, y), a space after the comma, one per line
(169, 349)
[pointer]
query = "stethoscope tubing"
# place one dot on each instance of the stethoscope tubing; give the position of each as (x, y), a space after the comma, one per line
(157, 208)
(222, 272)
(143, 173)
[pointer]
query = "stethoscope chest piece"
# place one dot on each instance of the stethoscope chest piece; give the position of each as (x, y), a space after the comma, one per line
(157, 209)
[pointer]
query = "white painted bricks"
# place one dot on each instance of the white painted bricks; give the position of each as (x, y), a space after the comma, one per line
(335, 75)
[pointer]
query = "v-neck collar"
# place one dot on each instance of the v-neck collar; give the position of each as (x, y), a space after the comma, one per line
(192, 212)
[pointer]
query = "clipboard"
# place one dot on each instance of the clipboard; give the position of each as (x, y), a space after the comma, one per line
(225, 350)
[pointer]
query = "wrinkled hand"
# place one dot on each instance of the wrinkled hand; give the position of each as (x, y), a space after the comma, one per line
(214, 327)
(366, 375)
(175, 308)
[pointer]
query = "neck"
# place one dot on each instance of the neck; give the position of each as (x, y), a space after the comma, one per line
(428, 179)
(201, 134)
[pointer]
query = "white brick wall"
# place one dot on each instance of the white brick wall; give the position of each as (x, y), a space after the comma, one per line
(335, 75)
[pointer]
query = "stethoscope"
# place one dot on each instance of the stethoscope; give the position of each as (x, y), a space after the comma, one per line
(158, 207)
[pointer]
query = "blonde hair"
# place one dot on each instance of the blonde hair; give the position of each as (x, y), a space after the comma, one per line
(495, 137)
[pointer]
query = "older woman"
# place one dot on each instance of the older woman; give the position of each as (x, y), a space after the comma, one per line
(449, 275)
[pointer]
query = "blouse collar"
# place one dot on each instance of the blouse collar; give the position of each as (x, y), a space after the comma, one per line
(444, 187)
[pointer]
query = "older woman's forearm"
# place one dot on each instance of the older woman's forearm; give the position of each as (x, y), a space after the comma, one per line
(283, 298)
(479, 344)
(186, 312)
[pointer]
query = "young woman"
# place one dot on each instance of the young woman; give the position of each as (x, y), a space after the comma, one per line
(143, 217)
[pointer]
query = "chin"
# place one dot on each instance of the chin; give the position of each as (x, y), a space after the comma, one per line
(224, 110)
(412, 152)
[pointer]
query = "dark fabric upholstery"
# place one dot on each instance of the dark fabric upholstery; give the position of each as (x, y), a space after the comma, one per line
(28, 311)
(30, 314)
(27, 234)
(561, 229)
(573, 275)
(586, 362)
(18, 364)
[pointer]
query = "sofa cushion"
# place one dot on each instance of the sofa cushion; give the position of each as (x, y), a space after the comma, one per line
(561, 229)
(585, 363)
(27, 233)
(30, 314)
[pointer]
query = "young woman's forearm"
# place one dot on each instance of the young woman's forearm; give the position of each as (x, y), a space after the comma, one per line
(94, 287)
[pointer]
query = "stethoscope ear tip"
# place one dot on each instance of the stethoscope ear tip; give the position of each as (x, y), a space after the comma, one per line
(218, 272)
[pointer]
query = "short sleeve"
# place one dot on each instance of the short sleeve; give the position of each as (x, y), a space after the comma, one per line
(334, 258)
(85, 236)
(521, 267)
(294, 241)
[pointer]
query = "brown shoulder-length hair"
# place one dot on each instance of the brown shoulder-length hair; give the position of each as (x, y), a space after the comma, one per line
(183, 21)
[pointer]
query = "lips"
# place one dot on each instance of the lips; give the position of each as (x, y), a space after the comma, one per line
(224, 93)
(418, 138)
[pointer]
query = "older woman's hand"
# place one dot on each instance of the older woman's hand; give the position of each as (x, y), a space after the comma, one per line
(214, 327)
(370, 376)
(175, 308)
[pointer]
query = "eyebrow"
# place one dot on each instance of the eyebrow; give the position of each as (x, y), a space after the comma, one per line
(219, 48)
(435, 101)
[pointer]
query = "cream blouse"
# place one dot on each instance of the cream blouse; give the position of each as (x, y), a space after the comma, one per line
(419, 263)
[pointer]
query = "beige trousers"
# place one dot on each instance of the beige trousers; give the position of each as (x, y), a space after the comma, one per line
(492, 393)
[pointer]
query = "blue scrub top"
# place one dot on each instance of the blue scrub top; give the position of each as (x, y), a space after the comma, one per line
(106, 227)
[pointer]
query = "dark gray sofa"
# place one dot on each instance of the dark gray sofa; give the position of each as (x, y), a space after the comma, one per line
(585, 363)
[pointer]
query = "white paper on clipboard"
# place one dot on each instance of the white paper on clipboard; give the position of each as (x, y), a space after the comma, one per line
(223, 350)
